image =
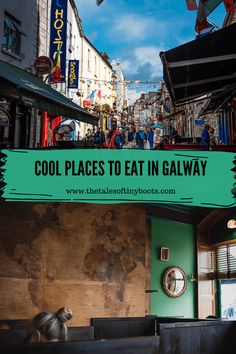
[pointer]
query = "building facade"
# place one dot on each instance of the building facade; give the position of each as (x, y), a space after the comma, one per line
(97, 82)
(121, 102)
(19, 38)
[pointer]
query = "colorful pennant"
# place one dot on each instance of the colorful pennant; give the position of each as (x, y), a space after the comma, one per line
(191, 5)
(229, 6)
(205, 8)
(56, 68)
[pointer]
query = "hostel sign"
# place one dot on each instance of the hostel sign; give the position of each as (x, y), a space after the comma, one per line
(58, 32)
(73, 74)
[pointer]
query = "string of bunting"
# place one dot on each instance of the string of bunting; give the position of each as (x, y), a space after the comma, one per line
(127, 82)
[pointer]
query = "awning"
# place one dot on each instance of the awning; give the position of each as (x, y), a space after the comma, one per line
(205, 65)
(33, 92)
(217, 100)
(174, 114)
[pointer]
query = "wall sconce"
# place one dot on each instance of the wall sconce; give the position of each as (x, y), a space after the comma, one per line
(191, 277)
(231, 224)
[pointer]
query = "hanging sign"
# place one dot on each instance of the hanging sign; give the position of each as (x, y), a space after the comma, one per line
(73, 74)
(42, 65)
(58, 33)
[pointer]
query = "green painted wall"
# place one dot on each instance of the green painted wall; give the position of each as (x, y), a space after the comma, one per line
(180, 239)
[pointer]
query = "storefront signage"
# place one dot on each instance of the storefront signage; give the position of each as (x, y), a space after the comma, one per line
(4, 118)
(73, 74)
(58, 33)
(43, 65)
(28, 101)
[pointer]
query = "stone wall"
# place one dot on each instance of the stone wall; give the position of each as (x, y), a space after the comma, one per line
(91, 258)
(44, 27)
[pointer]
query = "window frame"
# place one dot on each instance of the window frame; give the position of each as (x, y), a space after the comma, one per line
(12, 33)
(224, 260)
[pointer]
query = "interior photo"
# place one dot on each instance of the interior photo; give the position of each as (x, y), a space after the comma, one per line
(124, 270)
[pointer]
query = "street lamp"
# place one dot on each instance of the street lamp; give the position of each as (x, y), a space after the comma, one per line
(99, 2)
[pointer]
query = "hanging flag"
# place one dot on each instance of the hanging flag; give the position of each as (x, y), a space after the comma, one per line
(200, 26)
(58, 31)
(206, 7)
(191, 5)
(229, 6)
(92, 95)
(208, 28)
(55, 75)
(73, 74)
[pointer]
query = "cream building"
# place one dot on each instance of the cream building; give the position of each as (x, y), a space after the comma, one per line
(121, 91)
(97, 79)
(95, 72)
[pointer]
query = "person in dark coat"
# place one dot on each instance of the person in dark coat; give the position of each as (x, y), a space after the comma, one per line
(150, 138)
(205, 137)
(120, 139)
(141, 138)
(99, 137)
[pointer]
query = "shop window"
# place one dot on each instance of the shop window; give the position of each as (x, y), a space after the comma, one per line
(225, 273)
(12, 36)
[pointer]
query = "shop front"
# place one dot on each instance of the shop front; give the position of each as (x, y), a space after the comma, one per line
(205, 69)
(30, 105)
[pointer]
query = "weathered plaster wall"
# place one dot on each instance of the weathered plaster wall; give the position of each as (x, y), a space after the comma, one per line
(91, 258)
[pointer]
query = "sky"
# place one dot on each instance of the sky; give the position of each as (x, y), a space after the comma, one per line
(134, 32)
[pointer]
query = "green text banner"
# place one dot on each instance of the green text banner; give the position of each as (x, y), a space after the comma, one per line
(118, 176)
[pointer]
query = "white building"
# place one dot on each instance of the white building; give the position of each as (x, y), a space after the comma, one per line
(97, 78)
(95, 85)
(121, 90)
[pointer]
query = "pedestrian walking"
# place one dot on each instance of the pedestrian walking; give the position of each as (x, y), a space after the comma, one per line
(205, 137)
(150, 138)
(141, 138)
(99, 138)
(120, 139)
(112, 136)
(212, 137)
(158, 140)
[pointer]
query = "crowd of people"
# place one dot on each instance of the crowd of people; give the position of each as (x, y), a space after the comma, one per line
(132, 137)
(139, 137)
